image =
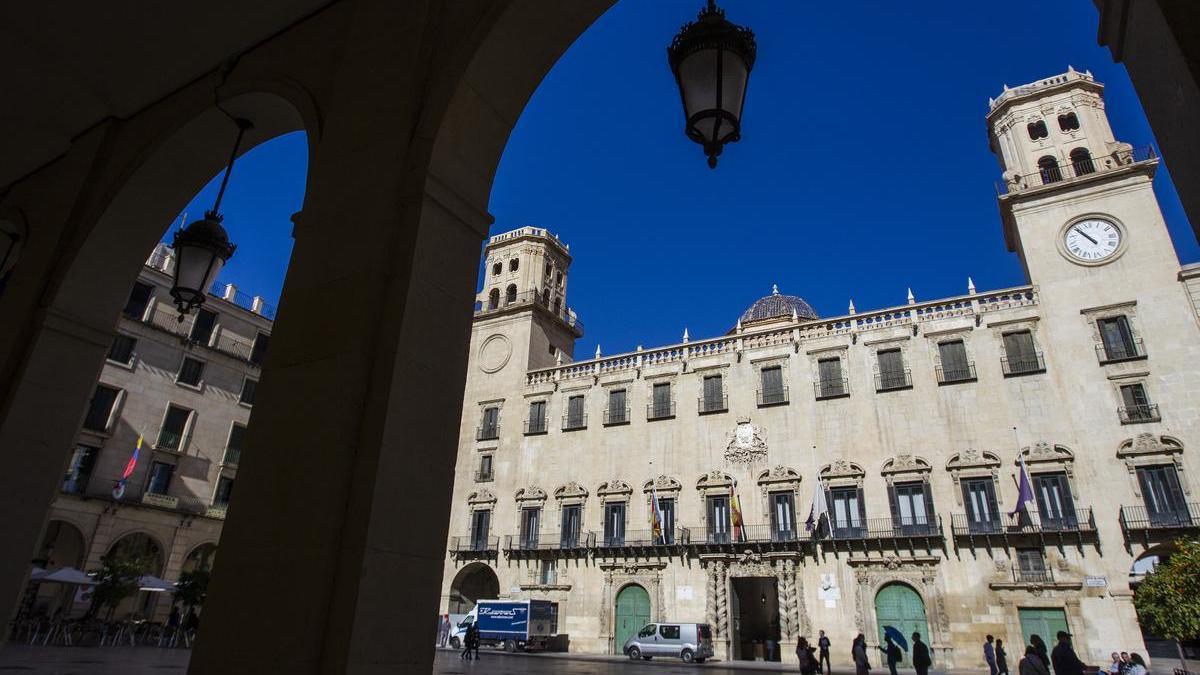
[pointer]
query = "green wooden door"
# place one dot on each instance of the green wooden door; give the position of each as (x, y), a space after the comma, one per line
(899, 606)
(633, 612)
(1043, 622)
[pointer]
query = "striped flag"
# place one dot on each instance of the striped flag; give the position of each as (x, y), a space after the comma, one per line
(119, 489)
(656, 518)
(735, 505)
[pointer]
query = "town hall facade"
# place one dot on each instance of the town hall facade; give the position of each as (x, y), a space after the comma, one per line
(915, 421)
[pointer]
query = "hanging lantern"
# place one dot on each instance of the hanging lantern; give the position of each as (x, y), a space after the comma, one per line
(202, 247)
(711, 59)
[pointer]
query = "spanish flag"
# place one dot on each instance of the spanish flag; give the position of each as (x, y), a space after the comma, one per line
(735, 505)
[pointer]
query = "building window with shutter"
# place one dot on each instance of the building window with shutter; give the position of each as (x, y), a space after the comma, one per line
(485, 469)
(489, 426)
(249, 387)
(892, 374)
(713, 397)
(783, 516)
(848, 512)
(480, 527)
(662, 405)
(772, 391)
(190, 372)
(831, 382)
(983, 514)
(159, 482)
(1117, 341)
(139, 300)
(175, 423)
(233, 448)
(258, 351)
(572, 519)
(1031, 567)
(536, 424)
(100, 408)
(1136, 406)
(912, 509)
(531, 522)
(954, 365)
(1021, 357)
(203, 327)
(1163, 497)
(614, 524)
(618, 408)
(717, 510)
(576, 416)
(121, 350)
(79, 471)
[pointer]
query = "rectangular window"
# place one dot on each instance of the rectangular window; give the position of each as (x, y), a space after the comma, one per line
(258, 352)
(203, 326)
(661, 405)
(531, 520)
(537, 418)
(233, 448)
(100, 408)
(1055, 505)
(480, 524)
(892, 374)
(666, 507)
(1031, 566)
(618, 411)
(170, 437)
(979, 496)
(139, 300)
(190, 372)
(121, 350)
(1136, 405)
(249, 387)
(772, 386)
(954, 365)
(831, 383)
(485, 468)
(1020, 356)
(714, 394)
(614, 524)
(79, 471)
(489, 428)
(912, 508)
(783, 516)
(160, 478)
(1163, 496)
(571, 520)
(576, 418)
(669, 631)
(224, 491)
(849, 513)
(718, 519)
(548, 574)
(1117, 339)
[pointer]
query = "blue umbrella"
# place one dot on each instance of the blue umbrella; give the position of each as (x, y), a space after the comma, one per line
(897, 636)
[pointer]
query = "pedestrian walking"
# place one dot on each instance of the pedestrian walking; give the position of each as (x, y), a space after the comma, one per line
(920, 655)
(1001, 658)
(1039, 645)
(475, 640)
(1137, 665)
(1032, 663)
(824, 644)
(466, 644)
(989, 654)
(805, 657)
(443, 631)
(1065, 661)
(891, 651)
(858, 653)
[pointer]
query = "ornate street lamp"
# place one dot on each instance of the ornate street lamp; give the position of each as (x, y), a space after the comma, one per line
(711, 59)
(202, 248)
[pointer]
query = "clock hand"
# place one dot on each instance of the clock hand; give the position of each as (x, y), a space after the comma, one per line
(1085, 236)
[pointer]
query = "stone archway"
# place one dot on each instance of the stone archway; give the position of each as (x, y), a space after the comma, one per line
(920, 573)
(899, 606)
(473, 583)
(630, 613)
(149, 552)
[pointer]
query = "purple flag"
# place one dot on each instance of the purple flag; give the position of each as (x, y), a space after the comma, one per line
(1024, 490)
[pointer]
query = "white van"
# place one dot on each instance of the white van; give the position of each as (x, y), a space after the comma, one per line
(691, 642)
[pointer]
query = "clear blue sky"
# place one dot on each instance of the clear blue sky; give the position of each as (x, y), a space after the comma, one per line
(863, 170)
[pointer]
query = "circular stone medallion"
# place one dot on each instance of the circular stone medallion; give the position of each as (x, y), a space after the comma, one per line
(494, 353)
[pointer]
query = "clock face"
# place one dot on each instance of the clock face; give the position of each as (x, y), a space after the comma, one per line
(1092, 240)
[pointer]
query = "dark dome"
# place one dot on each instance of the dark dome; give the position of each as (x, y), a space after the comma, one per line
(777, 306)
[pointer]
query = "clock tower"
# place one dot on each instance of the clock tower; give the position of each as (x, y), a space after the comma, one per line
(1077, 205)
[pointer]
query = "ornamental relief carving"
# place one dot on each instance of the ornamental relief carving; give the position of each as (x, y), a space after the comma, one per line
(747, 444)
(714, 480)
(662, 483)
(921, 576)
(615, 486)
(571, 490)
(531, 493)
(481, 496)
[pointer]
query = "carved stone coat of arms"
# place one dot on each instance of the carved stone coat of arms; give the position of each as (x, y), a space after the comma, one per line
(747, 444)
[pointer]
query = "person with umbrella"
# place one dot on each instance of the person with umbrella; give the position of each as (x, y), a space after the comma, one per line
(920, 655)
(891, 649)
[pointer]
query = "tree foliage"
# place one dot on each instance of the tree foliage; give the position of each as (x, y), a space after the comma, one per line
(1168, 600)
(192, 587)
(116, 580)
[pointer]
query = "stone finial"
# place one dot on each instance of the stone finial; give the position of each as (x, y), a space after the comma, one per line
(230, 292)
(852, 306)
(685, 335)
(739, 325)
(795, 316)
(1070, 68)
(639, 348)
(774, 289)
(991, 102)
(558, 357)
(970, 286)
(597, 351)
(1006, 87)
(911, 300)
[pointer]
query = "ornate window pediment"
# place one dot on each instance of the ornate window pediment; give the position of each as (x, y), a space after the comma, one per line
(1148, 445)
(842, 472)
(613, 489)
(715, 481)
(780, 475)
(906, 466)
(531, 493)
(663, 483)
(1045, 455)
(481, 497)
(972, 463)
(571, 490)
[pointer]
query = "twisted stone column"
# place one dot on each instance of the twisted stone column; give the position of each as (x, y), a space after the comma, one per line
(801, 607)
(722, 603)
(785, 580)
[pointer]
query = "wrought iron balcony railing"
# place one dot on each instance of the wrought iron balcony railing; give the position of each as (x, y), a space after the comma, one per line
(878, 528)
(1073, 170)
(893, 380)
(574, 421)
(168, 440)
(957, 373)
(550, 540)
(564, 313)
(1183, 517)
(535, 426)
(712, 404)
(1122, 351)
(1137, 414)
(615, 416)
(768, 397)
(482, 476)
(643, 538)
(1032, 576)
(1023, 364)
(660, 410)
(836, 388)
(474, 544)
(232, 456)
(997, 523)
(487, 432)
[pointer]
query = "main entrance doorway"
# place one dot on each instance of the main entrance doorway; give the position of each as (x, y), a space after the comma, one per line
(1043, 622)
(474, 583)
(754, 610)
(899, 606)
(633, 612)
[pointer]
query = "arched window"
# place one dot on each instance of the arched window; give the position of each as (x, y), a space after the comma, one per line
(514, 264)
(497, 268)
(494, 298)
(510, 294)
(1037, 130)
(546, 297)
(1048, 167)
(1081, 160)
(1068, 122)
